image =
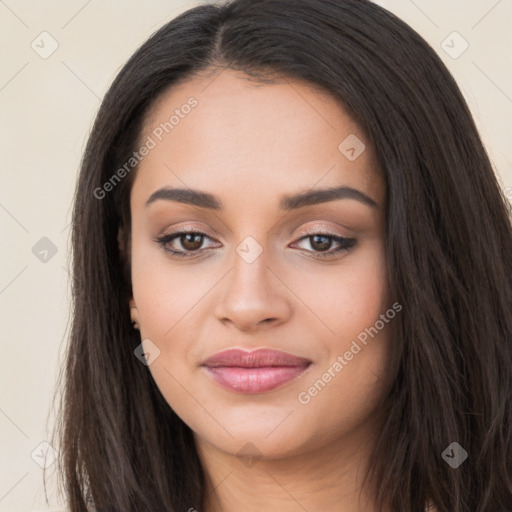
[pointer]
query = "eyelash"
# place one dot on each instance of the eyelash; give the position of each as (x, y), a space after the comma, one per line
(345, 243)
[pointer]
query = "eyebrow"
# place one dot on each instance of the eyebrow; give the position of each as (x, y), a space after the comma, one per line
(293, 202)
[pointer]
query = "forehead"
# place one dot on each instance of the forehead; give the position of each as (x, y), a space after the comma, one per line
(223, 131)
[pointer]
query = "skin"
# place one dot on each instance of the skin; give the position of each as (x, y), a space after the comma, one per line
(250, 144)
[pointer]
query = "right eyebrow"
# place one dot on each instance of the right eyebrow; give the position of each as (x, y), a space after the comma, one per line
(187, 196)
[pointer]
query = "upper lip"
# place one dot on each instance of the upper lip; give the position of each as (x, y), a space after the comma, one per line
(255, 359)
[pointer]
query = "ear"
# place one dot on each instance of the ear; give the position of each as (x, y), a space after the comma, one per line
(134, 315)
(121, 243)
(124, 255)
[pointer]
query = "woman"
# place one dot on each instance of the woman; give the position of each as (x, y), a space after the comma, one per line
(292, 275)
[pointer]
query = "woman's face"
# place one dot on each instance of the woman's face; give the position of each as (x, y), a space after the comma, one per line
(253, 160)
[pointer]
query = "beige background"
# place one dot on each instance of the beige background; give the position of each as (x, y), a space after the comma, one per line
(47, 107)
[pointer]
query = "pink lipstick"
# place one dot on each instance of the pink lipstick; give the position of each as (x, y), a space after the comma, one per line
(254, 372)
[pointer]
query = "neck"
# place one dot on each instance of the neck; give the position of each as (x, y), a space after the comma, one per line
(327, 477)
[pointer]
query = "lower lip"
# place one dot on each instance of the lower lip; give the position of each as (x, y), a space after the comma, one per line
(254, 380)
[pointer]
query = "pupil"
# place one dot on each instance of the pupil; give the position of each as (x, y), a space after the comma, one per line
(189, 243)
(319, 245)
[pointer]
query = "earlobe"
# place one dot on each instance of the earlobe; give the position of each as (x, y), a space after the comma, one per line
(125, 258)
(124, 246)
(120, 237)
(134, 314)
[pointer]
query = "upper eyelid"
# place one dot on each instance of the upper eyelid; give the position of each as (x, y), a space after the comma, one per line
(309, 233)
(306, 233)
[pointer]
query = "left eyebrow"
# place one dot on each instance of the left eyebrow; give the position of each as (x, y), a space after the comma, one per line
(293, 202)
(324, 195)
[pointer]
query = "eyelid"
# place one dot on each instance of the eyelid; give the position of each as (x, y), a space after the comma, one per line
(324, 230)
(183, 230)
(170, 230)
(315, 230)
(345, 244)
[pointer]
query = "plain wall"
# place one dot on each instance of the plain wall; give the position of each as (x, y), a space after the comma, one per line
(47, 107)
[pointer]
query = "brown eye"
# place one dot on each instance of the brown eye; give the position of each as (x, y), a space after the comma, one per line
(191, 241)
(320, 244)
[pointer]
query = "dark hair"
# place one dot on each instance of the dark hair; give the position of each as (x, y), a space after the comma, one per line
(449, 256)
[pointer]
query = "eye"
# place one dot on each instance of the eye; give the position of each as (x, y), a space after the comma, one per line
(322, 242)
(190, 242)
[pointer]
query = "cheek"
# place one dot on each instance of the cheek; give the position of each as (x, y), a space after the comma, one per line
(347, 298)
(341, 402)
(165, 291)
(351, 380)
(168, 297)
(348, 305)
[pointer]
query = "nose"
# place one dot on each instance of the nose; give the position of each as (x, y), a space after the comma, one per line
(252, 296)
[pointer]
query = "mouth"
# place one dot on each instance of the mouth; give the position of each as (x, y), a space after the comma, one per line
(254, 372)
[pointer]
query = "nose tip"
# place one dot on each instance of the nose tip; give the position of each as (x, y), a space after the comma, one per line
(245, 324)
(252, 297)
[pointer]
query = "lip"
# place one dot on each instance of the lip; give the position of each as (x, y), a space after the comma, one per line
(254, 372)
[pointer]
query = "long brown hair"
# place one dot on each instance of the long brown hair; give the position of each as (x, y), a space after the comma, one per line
(449, 252)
